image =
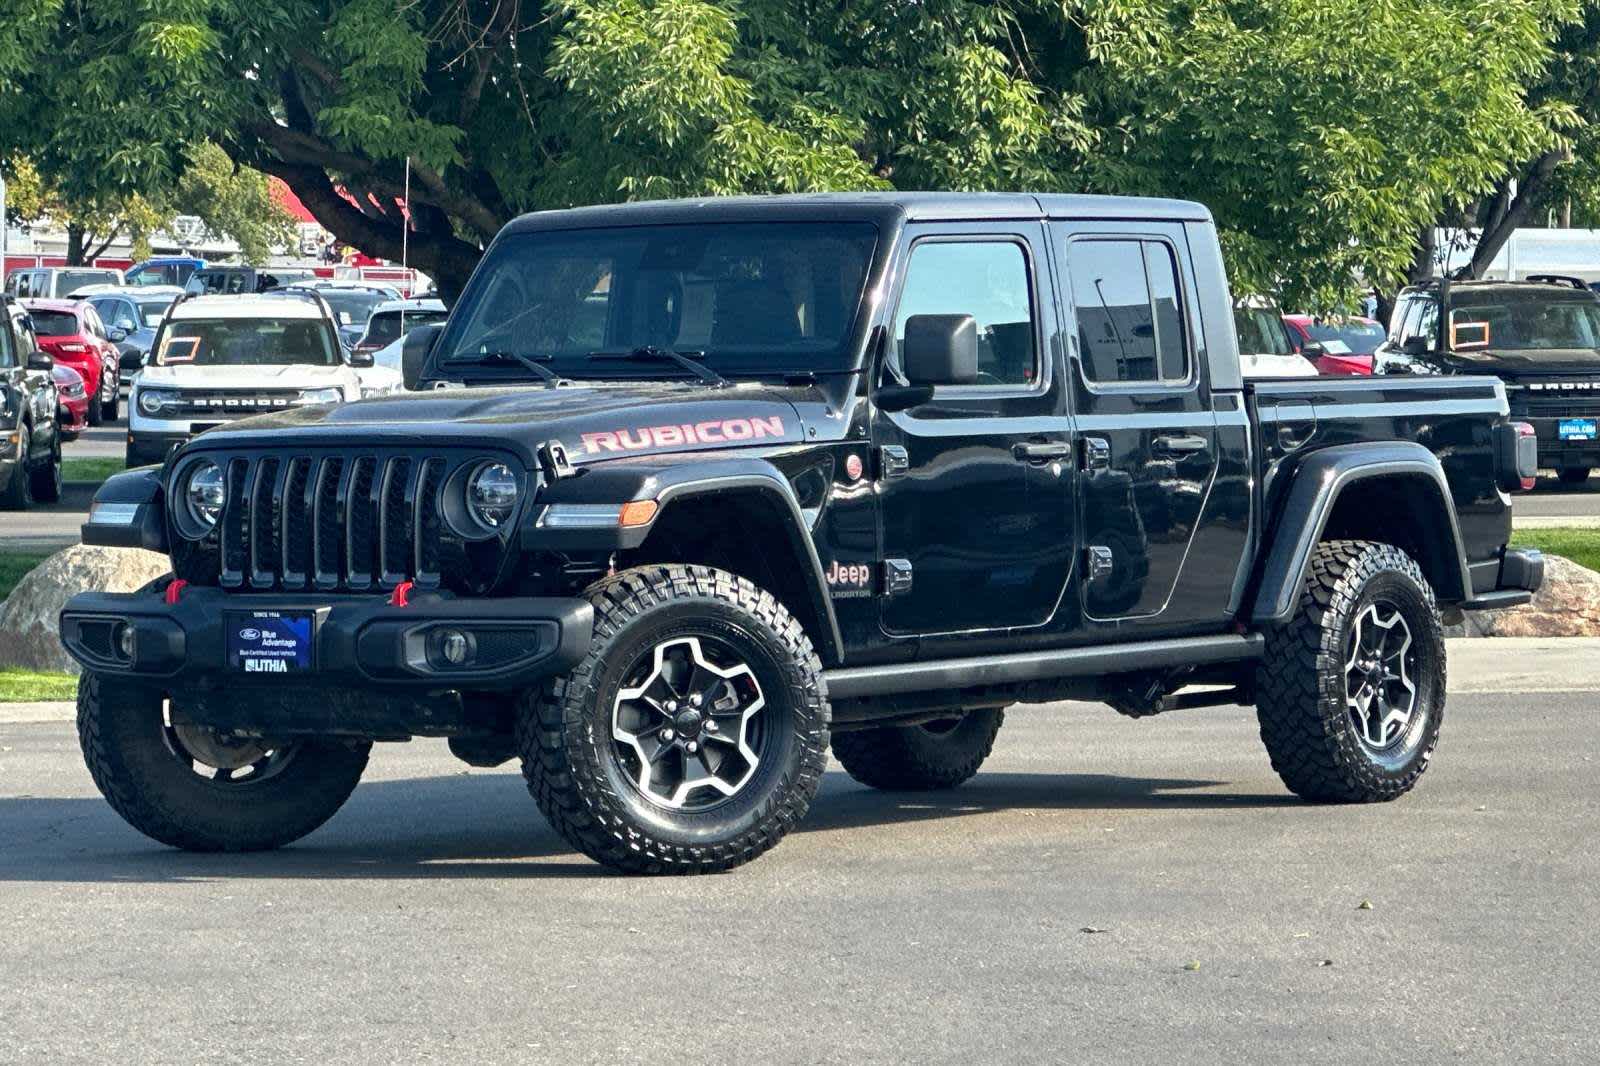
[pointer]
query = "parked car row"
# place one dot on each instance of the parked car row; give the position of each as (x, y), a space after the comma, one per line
(1277, 345)
(30, 432)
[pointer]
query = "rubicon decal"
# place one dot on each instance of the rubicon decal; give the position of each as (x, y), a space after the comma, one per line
(716, 431)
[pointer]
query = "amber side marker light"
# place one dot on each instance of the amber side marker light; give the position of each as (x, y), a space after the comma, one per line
(637, 513)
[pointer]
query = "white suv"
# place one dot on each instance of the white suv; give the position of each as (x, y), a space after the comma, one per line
(218, 358)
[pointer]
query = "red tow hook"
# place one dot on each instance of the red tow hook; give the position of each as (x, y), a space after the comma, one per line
(401, 596)
(174, 590)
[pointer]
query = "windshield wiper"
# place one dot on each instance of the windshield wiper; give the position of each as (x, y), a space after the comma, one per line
(551, 379)
(650, 353)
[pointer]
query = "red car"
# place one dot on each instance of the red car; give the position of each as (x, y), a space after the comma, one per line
(72, 401)
(71, 331)
(1341, 346)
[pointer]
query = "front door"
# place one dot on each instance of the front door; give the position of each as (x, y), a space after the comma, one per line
(977, 485)
(1148, 447)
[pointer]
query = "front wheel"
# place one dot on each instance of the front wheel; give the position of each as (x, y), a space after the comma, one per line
(18, 494)
(693, 735)
(1350, 693)
(930, 755)
(190, 787)
(96, 415)
(46, 477)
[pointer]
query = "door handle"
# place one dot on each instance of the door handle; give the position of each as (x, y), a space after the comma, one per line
(1041, 452)
(1179, 444)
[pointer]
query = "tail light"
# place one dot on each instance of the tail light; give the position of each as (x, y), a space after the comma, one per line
(1516, 457)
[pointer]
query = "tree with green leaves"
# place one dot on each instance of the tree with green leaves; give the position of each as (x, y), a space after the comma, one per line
(1325, 134)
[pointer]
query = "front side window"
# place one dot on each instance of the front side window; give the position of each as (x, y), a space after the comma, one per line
(247, 342)
(753, 297)
(1130, 317)
(987, 279)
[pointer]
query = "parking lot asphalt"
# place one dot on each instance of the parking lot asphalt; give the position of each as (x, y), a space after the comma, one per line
(1105, 890)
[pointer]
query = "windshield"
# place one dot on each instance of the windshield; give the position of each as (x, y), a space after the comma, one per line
(1339, 338)
(1260, 331)
(352, 307)
(759, 297)
(247, 342)
(150, 311)
(386, 327)
(55, 323)
(1523, 320)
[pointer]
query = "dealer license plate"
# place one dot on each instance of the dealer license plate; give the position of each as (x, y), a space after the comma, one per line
(270, 642)
(1576, 429)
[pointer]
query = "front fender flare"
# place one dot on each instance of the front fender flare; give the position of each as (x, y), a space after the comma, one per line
(1316, 487)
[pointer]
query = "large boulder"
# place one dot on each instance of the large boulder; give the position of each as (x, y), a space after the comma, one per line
(28, 634)
(1567, 605)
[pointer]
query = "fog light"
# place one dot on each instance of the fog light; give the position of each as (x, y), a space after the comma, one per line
(454, 647)
(125, 643)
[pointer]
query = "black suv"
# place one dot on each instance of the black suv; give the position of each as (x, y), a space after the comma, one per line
(1540, 336)
(717, 483)
(30, 435)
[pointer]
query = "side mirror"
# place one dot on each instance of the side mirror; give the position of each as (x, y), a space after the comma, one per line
(38, 360)
(360, 360)
(1313, 350)
(902, 397)
(117, 335)
(414, 351)
(940, 350)
(1416, 346)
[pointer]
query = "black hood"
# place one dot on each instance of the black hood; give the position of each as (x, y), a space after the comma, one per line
(594, 420)
(1514, 363)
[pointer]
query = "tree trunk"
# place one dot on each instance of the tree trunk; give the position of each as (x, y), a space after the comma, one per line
(1530, 189)
(75, 245)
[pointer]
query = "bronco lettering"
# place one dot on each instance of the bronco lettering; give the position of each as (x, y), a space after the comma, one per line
(713, 432)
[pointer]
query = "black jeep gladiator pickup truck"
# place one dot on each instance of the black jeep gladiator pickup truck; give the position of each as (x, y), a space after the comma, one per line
(686, 490)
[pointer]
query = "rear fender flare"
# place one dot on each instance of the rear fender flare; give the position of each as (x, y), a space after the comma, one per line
(1317, 486)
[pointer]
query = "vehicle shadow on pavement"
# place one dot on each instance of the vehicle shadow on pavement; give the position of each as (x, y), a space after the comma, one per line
(485, 825)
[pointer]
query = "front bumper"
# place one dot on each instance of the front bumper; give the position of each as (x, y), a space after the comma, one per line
(1558, 454)
(358, 643)
(150, 449)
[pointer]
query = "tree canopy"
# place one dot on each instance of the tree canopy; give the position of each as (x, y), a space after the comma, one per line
(1326, 135)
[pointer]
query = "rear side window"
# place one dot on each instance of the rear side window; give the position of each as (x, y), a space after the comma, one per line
(1130, 315)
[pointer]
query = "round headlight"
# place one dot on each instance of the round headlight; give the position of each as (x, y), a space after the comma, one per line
(492, 495)
(151, 401)
(205, 492)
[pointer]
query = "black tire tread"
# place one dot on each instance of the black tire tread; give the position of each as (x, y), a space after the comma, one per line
(1299, 681)
(907, 759)
(554, 719)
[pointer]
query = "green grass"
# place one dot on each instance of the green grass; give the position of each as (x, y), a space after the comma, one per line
(96, 470)
(15, 564)
(28, 686)
(1582, 546)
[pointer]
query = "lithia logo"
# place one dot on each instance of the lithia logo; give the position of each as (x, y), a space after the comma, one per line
(265, 666)
(847, 580)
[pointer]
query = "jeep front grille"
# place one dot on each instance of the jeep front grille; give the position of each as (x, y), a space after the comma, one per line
(347, 521)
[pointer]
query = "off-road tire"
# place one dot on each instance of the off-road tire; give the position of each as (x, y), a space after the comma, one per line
(1573, 475)
(1300, 682)
(565, 738)
(920, 757)
(120, 731)
(18, 494)
(46, 478)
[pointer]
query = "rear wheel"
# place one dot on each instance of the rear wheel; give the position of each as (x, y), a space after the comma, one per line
(1350, 694)
(692, 737)
(109, 398)
(190, 787)
(930, 755)
(96, 416)
(1573, 475)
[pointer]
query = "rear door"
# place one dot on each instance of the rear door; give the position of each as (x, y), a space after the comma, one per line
(1148, 446)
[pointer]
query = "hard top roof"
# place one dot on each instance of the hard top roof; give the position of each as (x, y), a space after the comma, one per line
(912, 206)
(245, 305)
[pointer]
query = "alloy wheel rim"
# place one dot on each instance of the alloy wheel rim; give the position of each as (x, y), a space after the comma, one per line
(1380, 695)
(687, 725)
(225, 761)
